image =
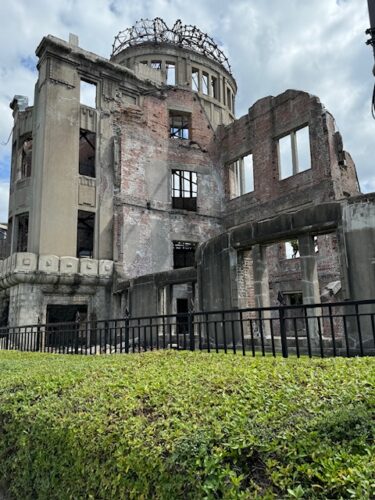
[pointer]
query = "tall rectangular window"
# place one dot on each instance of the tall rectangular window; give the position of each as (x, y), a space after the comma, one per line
(22, 227)
(87, 148)
(171, 73)
(179, 125)
(205, 83)
(85, 234)
(229, 99)
(183, 254)
(184, 190)
(241, 176)
(294, 153)
(195, 79)
(214, 87)
(24, 158)
(88, 94)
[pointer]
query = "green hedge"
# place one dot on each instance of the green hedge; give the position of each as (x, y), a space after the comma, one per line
(186, 425)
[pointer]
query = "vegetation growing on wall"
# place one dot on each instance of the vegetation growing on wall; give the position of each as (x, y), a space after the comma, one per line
(186, 425)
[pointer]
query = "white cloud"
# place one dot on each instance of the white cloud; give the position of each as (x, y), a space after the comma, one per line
(4, 193)
(317, 46)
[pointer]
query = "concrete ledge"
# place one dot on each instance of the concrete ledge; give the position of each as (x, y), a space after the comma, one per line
(26, 267)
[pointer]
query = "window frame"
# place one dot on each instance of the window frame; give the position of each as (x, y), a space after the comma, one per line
(178, 132)
(184, 251)
(294, 152)
(181, 201)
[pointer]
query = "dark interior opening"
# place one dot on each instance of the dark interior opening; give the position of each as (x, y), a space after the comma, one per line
(85, 234)
(87, 153)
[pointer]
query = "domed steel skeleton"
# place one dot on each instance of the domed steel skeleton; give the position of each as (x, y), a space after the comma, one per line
(156, 31)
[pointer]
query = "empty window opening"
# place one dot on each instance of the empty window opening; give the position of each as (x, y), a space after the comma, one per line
(24, 162)
(241, 176)
(85, 234)
(294, 153)
(88, 94)
(214, 89)
(179, 125)
(183, 254)
(233, 108)
(195, 79)
(184, 190)
(22, 224)
(229, 99)
(156, 65)
(66, 313)
(171, 73)
(204, 83)
(59, 335)
(87, 141)
(292, 249)
(182, 308)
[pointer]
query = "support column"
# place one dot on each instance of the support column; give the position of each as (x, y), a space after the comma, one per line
(261, 282)
(261, 287)
(310, 282)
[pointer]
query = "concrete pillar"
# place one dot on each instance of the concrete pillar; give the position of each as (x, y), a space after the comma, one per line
(310, 282)
(261, 283)
(309, 270)
(261, 286)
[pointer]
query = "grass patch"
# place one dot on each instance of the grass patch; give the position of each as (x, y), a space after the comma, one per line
(186, 425)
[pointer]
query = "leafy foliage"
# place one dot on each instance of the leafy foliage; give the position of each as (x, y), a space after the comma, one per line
(186, 425)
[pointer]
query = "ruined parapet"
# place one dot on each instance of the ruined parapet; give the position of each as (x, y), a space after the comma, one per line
(181, 56)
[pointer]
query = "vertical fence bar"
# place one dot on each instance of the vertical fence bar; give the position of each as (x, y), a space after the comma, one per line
(224, 332)
(208, 333)
(233, 336)
(261, 331)
(296, 336)
(252, 337)
(332, 330)
(307, 332)
(320, 338)
(346, 336)
(284, 341)
(242, 335)
(191, 330)
(359, 329)
(126, 335)
(272, 338)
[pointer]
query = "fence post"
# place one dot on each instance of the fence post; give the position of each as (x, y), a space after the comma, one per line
(7, 340)
(284, 342)
(38, 335)
(127, 321)
(191, 331)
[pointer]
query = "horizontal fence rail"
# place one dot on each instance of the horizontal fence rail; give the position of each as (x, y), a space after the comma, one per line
(329, 329)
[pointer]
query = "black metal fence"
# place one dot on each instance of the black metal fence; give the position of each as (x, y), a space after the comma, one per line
(330, 329)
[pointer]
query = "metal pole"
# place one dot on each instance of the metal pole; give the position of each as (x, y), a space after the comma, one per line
(371, 30)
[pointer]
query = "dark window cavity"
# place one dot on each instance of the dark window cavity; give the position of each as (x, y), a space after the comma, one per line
(22, 224)
(184, 190)
(183, 254)
(87, 148)
(179, 125)
(85, 234)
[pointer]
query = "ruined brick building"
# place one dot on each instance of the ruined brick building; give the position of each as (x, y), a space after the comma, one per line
(133, 186)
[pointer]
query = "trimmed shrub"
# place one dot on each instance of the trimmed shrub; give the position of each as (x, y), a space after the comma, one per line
(186, 425)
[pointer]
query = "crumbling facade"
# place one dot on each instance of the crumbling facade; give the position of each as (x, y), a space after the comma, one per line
(133, 187)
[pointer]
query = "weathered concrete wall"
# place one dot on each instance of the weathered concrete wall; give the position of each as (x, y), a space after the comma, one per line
(146, 224)
(359, 233)
(258, 132)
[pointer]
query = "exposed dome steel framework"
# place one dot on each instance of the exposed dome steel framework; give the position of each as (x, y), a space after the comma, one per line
(183, 35)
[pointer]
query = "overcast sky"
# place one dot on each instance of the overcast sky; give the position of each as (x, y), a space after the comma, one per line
(317, 46)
